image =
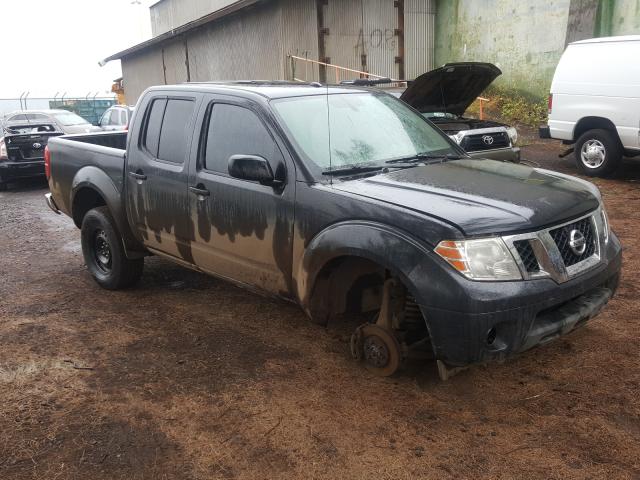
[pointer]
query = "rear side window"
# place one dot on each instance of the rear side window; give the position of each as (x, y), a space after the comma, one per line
(236, 130)
(154, 122)
(175, 130)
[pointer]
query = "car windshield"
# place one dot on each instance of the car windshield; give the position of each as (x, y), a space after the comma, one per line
(348, 129)
(69, 118)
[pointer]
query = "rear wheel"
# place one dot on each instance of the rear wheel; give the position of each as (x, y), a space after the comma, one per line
(598, 152)
(3, 186)
(104, 253)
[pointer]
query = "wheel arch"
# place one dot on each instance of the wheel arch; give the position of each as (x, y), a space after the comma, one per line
(342, 256)
(593, 122)
(91, 188)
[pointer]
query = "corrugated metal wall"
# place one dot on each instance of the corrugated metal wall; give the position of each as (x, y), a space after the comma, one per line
(343, 44)
(300, 38)
(169, 14)
(175, 62)
(380, 19)
(419, 36)
(254, 43)
(247, 45)
(140, 72)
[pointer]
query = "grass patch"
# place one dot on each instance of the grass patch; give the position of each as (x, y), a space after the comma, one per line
(511, 108)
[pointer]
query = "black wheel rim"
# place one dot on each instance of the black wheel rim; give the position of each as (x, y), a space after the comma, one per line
(376, 352)
(102, 251)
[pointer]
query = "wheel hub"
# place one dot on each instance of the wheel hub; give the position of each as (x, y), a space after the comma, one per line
(593, 153)
(378, 347)
(376, 352)
(102, 251)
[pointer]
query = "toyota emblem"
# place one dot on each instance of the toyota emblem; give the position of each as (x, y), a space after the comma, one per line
(577, 242)
(37, 146)
(487, 139)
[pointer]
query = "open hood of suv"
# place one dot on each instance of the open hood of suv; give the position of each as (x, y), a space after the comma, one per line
(450, 88)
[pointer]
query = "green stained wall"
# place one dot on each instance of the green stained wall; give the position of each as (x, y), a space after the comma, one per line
(525, 39)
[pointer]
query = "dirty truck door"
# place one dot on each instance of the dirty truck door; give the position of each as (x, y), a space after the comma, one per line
(157, 175)
(243, 229)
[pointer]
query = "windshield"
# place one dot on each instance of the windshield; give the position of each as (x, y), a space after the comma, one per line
(69, 118)
(361, 128)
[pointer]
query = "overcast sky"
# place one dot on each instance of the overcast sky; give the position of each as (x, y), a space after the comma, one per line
(51, 46)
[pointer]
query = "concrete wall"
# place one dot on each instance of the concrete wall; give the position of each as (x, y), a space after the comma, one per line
(526, 39)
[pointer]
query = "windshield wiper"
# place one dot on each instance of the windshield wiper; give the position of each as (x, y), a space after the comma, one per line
(353, 169)
(425, 157)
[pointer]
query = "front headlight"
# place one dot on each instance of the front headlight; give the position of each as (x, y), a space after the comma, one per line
(606, 229)
(480, 259)
(513, 135)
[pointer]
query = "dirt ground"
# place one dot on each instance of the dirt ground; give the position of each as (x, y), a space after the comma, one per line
(188, 377)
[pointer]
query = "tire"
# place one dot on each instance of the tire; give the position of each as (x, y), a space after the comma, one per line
(3, 186)
(598, 152)
(104, 253)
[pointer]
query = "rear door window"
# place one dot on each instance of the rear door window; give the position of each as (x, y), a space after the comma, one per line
(175, 131)
(153, 124)
(235, 130)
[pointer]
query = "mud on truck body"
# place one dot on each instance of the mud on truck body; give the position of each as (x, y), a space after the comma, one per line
(346, 202)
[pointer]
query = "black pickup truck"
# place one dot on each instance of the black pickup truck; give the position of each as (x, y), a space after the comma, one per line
(22, 147)
(349, 203)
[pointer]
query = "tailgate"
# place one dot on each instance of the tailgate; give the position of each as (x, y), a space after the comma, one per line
(27, 147)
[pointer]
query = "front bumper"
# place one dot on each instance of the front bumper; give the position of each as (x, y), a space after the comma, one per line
(492, 320)
(511, 154)
(16, 170)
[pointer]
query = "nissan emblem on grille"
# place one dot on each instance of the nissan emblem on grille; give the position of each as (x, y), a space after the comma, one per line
(488, 139)
(577, 242)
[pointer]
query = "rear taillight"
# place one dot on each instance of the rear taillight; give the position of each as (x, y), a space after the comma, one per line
(47, 162)
(550, 103)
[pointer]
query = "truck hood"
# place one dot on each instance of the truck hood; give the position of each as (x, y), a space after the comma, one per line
(450, 88)
(482, 197)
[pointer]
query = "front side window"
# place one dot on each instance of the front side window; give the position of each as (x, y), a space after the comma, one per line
(235, 130)
(175, 130)
(341, 130)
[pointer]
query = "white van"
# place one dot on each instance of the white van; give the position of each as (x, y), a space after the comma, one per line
(595, 102)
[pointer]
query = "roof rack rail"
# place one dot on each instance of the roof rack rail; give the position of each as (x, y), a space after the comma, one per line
(367, 82)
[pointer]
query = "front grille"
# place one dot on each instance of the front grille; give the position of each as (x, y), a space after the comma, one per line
(562, 237)
(527, 256)
(473, 143)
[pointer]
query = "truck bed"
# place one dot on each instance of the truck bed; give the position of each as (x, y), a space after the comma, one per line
(71, 155)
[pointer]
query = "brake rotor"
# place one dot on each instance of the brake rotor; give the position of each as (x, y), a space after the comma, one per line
(379, 349)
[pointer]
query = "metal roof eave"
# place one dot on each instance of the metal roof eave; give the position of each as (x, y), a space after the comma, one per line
(187, 27)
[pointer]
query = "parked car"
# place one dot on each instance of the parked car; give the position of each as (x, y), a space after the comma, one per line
(347, 202)
(64, 120)
(443, 96)
(22, 151)
(597, 109)
(116, 118)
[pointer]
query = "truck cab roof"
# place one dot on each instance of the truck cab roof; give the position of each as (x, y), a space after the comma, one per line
(268, 89)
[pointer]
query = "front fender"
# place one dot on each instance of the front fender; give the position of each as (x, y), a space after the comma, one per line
(391, 248)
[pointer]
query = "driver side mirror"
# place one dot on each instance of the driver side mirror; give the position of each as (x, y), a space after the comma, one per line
(253, 168)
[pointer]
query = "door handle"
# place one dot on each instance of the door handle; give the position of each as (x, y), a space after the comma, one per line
(201, 192)
(138, 176)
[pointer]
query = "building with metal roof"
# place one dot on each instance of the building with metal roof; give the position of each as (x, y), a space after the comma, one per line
(203, 40)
